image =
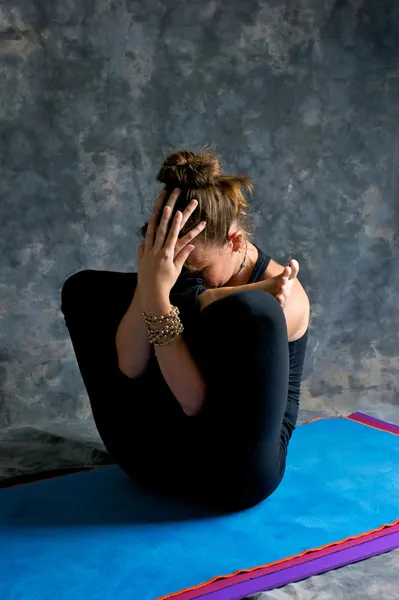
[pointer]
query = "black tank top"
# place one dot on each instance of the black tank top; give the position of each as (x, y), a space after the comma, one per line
(260, 266)
(297, 350)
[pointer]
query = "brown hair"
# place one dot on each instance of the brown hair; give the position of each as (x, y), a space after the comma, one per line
(220, 197)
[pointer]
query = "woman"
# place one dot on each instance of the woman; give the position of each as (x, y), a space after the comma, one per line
(193, 365)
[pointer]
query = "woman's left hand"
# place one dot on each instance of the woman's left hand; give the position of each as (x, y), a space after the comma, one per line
(162, 254)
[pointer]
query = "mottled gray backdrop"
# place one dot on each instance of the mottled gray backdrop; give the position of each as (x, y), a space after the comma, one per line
(303, 95)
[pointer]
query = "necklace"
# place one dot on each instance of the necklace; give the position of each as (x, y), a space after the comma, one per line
(244, 262)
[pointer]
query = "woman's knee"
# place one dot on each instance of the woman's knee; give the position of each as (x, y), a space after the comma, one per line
(245, 305)
(76, 288)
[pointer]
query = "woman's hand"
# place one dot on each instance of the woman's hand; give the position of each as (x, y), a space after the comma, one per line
(162, 254)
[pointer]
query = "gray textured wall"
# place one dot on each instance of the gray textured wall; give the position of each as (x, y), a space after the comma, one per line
(303, 95)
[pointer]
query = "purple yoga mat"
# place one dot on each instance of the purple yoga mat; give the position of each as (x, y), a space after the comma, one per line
(308, 569)
(373, 422)
(264, 572)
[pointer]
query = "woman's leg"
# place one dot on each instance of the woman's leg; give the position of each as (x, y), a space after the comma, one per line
(229, 457)
(246, 363)
(137, 419)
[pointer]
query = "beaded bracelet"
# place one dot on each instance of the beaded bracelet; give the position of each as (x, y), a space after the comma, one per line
(164, 329)
(149, 320)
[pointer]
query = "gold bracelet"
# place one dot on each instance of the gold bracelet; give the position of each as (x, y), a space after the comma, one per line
(161, 338)
(169, 337)
(161, 318)
(164, 329)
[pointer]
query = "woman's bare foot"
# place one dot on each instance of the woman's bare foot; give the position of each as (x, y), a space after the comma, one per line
(285, 281)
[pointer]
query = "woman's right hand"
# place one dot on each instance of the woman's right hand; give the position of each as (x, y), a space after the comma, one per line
(190, 208)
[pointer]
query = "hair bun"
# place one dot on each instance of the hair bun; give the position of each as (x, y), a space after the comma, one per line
(190, 169)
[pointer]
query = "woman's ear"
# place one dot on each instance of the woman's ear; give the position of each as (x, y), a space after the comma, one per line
(237, 240)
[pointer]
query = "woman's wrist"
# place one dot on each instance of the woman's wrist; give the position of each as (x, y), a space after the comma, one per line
(156, 305)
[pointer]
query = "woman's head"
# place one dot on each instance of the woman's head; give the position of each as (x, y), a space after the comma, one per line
(221, 203)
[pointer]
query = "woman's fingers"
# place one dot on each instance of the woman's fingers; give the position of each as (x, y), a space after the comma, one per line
(186, 239)
(158, 237)
(163, 225)
(149, 238)
(173, 243)
(188, 211)
(174, 233)
(181, 258)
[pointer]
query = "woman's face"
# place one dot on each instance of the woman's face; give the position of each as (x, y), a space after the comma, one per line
(216, 265)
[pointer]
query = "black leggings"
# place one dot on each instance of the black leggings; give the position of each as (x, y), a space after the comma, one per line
(229, 457)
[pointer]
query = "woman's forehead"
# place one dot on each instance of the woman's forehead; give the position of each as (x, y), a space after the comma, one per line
(199, 257)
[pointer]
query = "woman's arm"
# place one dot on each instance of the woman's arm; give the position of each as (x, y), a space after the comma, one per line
(175, 361)
(178, 367)
(212, 294)
(294, 300)
(161, 260)
(132, 343)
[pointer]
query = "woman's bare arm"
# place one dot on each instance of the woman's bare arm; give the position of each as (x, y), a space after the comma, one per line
(179, 369)
(296, 308)
(212, 294)
(132, 343)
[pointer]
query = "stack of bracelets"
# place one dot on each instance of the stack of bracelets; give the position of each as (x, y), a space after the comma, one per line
(164, 329)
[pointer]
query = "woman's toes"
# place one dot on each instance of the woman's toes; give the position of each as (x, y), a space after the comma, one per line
(285, 276)
(294, 264)
(286, 281)
(283, 282)
(287, 272)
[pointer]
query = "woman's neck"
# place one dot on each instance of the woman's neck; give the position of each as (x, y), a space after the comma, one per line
(241, 278)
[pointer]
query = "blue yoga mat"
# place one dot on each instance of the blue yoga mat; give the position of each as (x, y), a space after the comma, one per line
(93, 535)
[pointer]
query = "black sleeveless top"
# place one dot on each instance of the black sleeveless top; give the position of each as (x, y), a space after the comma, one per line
(185, 295)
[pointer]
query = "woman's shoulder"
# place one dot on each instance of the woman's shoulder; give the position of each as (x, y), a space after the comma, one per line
(266, 266)
(272, 270)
